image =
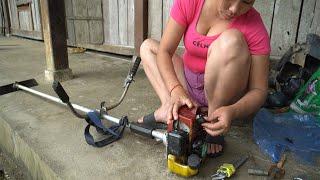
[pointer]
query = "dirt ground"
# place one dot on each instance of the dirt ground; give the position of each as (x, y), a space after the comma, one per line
(10, 170)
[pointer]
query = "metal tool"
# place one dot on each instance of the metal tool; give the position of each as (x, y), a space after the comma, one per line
(227, 170)
(258, 172)
(277, 171)
(9, 88)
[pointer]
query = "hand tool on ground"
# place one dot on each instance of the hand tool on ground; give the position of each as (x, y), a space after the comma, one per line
(227, 170)
(184, 140)
(258, 172)
(277, 171)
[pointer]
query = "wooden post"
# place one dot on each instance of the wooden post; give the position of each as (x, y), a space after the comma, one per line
(6, 17)
(54, 34)
(141, 23)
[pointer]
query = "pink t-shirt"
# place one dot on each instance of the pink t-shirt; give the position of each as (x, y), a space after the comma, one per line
(187, 12)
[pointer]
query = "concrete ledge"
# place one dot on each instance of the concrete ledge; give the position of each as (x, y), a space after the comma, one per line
(15, 146)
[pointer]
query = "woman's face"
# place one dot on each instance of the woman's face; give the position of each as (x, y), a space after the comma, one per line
(229, 9)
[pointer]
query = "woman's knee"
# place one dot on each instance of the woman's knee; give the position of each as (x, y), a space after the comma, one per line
(149, 46)
(231, 44)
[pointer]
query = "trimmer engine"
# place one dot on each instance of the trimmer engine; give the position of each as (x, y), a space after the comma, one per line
(186, 146)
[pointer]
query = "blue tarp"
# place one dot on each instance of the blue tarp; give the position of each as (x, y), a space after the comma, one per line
(277, 133)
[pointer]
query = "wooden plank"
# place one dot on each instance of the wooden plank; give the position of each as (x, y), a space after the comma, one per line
(84, 18)
(71, 37)
(310, 19)
(1, 19)
(123, 22)
(141, 23)
(29, 34)
(80, 8)
(69, 8)
(117, 49)
(81, 31)
(285, 23)
(25, 20)
(111, 24)
(23, 2)
(94, 8)
(71, 33)
(36, 15)
(155, 19)
(96, 32)
(265, 8)
(6, 16)
(95, 26)
(14, 20)
(131, 22)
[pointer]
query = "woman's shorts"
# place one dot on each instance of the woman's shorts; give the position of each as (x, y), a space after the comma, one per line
(195, 85)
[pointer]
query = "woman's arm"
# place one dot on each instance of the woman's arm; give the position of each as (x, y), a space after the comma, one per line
(168, 45)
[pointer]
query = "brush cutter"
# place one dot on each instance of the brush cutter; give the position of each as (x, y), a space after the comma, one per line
(184, 138)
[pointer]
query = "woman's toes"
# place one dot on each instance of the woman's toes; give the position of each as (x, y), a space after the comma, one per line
(140, 120)
(214, 148)
(211, 149)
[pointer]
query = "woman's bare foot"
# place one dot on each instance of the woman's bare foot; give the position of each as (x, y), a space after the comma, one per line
(214, 148)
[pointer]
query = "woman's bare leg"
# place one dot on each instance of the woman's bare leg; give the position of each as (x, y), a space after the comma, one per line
(148, 52)
(227, 71)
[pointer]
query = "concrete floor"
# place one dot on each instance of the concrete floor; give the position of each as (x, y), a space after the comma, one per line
(48, 140)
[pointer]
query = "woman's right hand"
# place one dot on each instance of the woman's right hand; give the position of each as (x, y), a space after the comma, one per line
(178, 98)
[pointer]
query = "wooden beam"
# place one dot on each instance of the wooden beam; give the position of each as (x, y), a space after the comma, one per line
(6, 17)
(141, 23)
(55, 39)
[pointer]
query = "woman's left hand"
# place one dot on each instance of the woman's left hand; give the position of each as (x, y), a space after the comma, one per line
(219, 121)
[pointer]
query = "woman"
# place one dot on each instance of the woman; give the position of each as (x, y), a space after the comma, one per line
(224, 67)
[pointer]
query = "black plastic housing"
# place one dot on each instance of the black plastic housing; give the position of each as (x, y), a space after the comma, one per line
(178, 143)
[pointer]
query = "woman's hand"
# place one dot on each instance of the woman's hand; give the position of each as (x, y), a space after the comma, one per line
(178, 98)
(219, 121)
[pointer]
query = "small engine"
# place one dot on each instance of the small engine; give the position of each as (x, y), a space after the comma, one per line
(186, 142)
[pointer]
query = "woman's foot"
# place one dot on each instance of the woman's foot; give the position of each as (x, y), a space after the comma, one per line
(211, 148)
(215, 145)
(214, 148)
(160, 115)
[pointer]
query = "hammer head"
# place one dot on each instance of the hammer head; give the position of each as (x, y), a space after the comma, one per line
(9, 88)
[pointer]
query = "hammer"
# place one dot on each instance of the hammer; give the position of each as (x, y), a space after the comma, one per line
(277, 171)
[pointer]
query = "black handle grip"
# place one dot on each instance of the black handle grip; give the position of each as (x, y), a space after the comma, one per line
(57, 87)
(141, 129)
(135, 66)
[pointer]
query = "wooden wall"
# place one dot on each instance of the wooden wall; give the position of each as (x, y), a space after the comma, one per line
(25, 18)
(310, 19)
(108, 25)
(104, 25)
(281, 17)
(2, 26)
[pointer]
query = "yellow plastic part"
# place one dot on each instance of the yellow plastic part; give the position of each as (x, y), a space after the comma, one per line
(179, 169)
(227, 169)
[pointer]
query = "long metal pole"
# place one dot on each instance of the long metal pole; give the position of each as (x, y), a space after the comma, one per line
(156, 134)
